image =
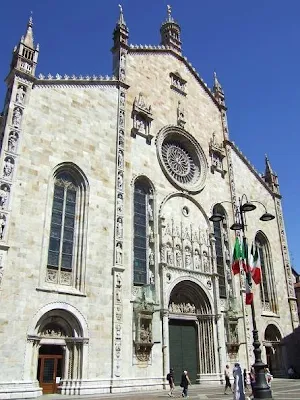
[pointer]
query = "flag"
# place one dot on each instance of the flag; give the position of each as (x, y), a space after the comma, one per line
(255, 264)
(236, 257)
(248, 280)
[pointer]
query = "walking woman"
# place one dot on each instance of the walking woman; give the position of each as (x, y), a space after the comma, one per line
(185, 382)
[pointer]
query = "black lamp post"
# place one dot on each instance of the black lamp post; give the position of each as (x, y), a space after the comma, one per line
(261, 389)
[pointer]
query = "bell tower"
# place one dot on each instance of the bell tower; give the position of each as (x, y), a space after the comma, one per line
(170, 33)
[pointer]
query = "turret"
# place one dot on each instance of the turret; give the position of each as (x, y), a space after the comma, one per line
(270, 177)
(120, 38)
(218, 91)
(170, 33)
(25, 54)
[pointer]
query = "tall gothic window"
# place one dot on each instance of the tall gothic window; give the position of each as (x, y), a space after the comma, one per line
(65, 251)
(143, 224)
(220, 249)
(267, 288)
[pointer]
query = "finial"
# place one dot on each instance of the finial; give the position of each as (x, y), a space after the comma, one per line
(30, 21)
(169, 9)
(121, 17)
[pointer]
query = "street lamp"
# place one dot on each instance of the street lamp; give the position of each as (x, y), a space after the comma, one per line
(261, 389)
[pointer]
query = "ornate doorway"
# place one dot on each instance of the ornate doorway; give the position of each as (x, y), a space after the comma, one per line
(50, 368)
(191, 339)
(274, 350)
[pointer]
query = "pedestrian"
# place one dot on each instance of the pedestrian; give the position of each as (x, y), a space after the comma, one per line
(185, 382)
(252, 379)
(238, 387)
(170, 379)
(269, 376)
(246, 379)
(227, 379)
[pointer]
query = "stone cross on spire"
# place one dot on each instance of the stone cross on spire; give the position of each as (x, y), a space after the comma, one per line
(28, 39)
(121, 20)
(169, 9)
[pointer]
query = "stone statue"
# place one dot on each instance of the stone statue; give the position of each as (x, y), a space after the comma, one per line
(169, 255)
(118, 281)
(119, 253)
(120, 159)
(187, 257)
(120, 203)
(2, 225)
(8, 168)
(178, 256)
(122, 60)
(20, 96)
(151, 277)
(140, 125)
(121, 138)
(121, 120)
(151, 257)
(225, 235)
(119, 227)
(4, 193)
(151, 235)
(122, 75)
(227, 254)
(120, 180)
(17, 115)
(12, 142)
(145, 335)
(122, 99)
(150, 212)
(196, 259)
(205, 261)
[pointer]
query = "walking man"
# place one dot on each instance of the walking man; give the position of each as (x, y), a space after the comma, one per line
(185, 382)
(227, 379)
(170, 379)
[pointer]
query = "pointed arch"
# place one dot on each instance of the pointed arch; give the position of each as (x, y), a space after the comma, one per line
(67, 237)
(267, 286)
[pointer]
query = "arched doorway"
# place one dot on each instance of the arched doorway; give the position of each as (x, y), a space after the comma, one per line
(274, 350)
(191, 341)
(57, 350)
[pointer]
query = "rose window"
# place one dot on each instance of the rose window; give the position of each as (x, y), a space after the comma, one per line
(181, 158)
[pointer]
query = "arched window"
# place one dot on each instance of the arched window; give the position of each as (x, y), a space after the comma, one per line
(267, 289)
(143, 246)
(219, 229)
(66, 243)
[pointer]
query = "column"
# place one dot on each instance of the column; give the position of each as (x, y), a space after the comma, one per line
(165, 348)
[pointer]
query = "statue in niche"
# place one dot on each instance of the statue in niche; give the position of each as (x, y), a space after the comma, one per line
(119, 253)
(17, 115)
(169, 255)
(227, 254)
(4, 193)
(121, 138)
(150, 212)
(178, 256)
(8, 167)
(20, 96)
(118, 331)
(187, 257)
(122, 99)
(163, 253)
(205, 261)
(225, 235)
(151, 277)
(151, 256)
(122, 60)
(145, 334)
(197, 259)
(120, 180)
(122, 75)
(121, 119)
(151, 235)
(140, 125)
(12, 142)
(118, 281)
(120, 159)
(119, 227)
(118, 295)
(2, 225)
(120, 203)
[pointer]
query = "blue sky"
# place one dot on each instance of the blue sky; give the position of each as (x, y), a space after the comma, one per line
(253, 46)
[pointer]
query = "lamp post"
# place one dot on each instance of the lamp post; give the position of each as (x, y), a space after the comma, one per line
(261, 389)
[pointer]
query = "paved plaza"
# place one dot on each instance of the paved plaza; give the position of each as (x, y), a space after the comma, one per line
(283, 389)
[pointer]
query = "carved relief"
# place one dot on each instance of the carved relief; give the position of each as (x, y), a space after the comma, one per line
(178, 83)
(120, 203)
(8, 168)
(142, 118)
(17, 117)
(183, 308)
(4, 195)
(12, 142)
(217, 154)
(119, 227)
(20, 95)
(180, 115)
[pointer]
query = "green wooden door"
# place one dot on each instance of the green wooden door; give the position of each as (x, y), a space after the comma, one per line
(183, 349)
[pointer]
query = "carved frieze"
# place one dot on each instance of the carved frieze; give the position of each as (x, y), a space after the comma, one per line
(178, 83)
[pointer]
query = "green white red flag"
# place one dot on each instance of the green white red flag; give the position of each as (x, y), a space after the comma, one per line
(255, 264)
(237, 256)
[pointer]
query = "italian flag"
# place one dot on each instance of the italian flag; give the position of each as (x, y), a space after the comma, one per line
(248, 280)
(255, 264)
(237, 256)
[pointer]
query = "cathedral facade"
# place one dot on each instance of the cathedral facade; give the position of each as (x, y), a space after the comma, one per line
(111, 270)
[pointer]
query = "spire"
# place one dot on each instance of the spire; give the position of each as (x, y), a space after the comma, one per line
(170, 32)
(270, 177)
(121, 32)
(218, 91)
(28, 40)
(121, 21)
(25, 54)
